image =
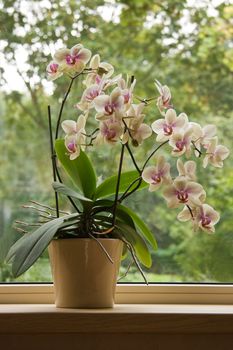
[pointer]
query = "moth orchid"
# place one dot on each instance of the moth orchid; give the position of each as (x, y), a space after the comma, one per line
(98, 69)
(215, 154)
(109, 105)
(170, 124)
(137, 131)
(157, 175)
(181, 142)
(203, 217)
(75, 136)
(73, 59)
(187, 169)
(183, 191)
(53, 70)
(163, 101)
(110, 131)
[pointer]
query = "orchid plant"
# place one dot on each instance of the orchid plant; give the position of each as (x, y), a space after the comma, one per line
(119, 116)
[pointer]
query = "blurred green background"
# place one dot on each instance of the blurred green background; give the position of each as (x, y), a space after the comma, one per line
(185, 44)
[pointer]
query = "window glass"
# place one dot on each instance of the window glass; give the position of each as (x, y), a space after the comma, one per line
(186, 45)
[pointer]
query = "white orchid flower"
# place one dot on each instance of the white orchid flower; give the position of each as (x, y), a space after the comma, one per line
(181, 142)
(215, 154)
(157, 175)
(183, 191)
(202, 136)
(187, 169)
(136, 129)
(98, 69)
(127, 90)
(89, 95)
(165, 127)
(73, 59)
(107, 106)
(203, 217)
(75, 136)
(110, 131)
(163, 101)
(53, 70)
(206, 217)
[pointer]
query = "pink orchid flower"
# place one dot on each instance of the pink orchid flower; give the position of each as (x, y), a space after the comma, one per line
(89, 95)
(137, 131)
(203, 217)
(202, 136)
(170, 124)
(53, 70)
(181, 142)
(73, 59)
(187, 169)
(75, 136)
(183, 191)
(127, 90)
(110, 131)
(98, 69)
(163, 101)
(215, 154)
(107, 106)
(157, 175)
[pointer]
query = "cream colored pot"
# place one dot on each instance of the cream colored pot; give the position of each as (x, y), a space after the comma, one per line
(83, 275)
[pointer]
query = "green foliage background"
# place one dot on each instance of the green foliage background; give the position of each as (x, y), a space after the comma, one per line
(186, 46)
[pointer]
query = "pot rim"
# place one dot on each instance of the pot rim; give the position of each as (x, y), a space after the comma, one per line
(87, 239)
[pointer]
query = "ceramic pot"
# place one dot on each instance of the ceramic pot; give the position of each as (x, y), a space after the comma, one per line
(83, 275)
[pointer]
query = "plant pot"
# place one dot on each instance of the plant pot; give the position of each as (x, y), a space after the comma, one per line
(83, 275)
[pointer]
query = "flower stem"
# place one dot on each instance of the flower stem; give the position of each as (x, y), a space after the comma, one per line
(53, 159)
(133, 159)
(118, 184)
(151, 155)
(63, 104)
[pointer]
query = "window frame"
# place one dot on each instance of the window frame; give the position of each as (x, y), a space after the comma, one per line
(221, 294)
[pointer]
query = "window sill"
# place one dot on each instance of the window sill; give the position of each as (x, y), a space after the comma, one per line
(169, 319)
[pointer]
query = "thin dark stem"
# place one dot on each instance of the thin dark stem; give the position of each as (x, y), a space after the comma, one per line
(118, 185)
(133, 190)
(191, 212)
(133, 159)
(128, 188)
(196, 149)
(70, 199)
(151, 155)
(53, 159)
(63, 104)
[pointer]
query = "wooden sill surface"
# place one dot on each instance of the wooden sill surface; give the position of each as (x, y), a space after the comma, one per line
(21, 319)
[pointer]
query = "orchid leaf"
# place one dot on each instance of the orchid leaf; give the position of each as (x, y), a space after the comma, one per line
(63, 189)
(140, 224)
(108, 186)
(138, 243)
(29, 248)
(80, 169)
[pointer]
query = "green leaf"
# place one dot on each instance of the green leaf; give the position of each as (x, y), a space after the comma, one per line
(108, 187)
(140, 224)
(140, 247)
(80, 169)
(63, 189)
(29, 248)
